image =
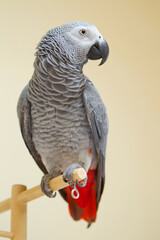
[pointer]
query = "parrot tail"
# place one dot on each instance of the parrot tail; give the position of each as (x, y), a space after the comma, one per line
(85, 207)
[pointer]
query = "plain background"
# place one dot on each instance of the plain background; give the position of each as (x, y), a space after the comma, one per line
(129, 83)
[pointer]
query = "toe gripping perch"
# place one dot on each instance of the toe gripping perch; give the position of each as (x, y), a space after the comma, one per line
(79, 177)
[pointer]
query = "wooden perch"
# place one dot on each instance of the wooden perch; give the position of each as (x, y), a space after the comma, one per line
(56, 184)
(20, 196)
(6, 234)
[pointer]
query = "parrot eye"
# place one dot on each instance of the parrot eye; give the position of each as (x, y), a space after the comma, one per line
(82, 31)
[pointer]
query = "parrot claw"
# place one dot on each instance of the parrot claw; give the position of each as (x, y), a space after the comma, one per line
(68, 177)
(68, 174)
(45, 185)
(82, 183)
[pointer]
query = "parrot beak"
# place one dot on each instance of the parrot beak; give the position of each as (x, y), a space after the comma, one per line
(99, 50)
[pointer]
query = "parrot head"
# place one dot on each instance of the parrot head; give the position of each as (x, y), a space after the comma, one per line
(75, 42)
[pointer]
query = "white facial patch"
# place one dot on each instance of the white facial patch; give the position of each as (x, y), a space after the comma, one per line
(90, 37)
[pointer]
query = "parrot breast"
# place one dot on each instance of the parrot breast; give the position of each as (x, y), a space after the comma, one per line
(60, 129)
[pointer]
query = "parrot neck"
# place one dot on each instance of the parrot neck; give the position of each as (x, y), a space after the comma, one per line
(56, 79)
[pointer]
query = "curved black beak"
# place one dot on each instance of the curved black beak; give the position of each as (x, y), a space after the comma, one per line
(99, 50)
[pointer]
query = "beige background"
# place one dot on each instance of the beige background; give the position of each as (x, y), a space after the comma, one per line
(129, 84)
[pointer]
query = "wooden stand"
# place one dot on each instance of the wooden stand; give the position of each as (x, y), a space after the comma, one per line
(18, 214)
(18, 204)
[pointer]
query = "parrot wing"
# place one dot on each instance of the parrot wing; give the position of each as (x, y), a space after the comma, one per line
(98, 121)
(25, 121)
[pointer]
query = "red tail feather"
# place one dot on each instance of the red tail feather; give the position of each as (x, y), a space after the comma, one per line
(85, 206)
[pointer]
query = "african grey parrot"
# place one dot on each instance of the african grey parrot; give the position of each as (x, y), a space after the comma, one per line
(62, 118)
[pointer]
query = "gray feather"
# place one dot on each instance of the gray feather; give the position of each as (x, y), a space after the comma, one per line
(24, 115)
(97, 118)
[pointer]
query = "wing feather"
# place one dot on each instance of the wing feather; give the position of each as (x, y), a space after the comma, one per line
(98, 121)
(25, 121)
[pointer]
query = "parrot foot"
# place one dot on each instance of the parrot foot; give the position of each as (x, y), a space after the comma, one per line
(45, 185)
(82, 183)
(68, 177)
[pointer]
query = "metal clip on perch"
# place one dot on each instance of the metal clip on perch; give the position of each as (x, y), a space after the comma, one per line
(75, 190)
